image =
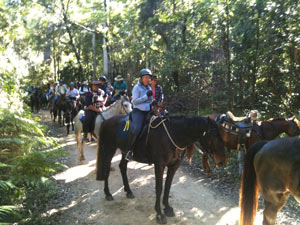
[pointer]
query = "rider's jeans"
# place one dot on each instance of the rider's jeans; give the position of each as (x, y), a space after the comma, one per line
(138, 118)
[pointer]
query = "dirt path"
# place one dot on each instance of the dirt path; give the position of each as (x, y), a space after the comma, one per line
(81, 199)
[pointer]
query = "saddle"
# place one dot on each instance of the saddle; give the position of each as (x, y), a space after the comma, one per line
(142, 140)
(238, 126)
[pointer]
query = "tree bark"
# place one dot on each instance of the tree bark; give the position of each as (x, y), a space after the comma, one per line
(71, 41)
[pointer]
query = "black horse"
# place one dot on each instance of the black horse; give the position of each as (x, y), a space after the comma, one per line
(167, 142)
(35, 99)
(65, 105)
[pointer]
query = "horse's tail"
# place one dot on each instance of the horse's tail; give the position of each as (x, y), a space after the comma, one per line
(249, 187)
(103, 158)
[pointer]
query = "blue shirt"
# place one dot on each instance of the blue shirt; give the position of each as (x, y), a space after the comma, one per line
(140, 100)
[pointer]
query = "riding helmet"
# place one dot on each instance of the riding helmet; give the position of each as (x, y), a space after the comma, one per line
(144, 72)
(72, 84)
(103, 78)
(60, 81)
(95, 82)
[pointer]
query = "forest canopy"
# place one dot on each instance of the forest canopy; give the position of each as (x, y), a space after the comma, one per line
(208, 54)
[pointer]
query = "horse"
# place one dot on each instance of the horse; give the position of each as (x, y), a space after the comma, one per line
(264, 130)
(72, 109)
(121, 106)
(35, 100)
(273, 168)
(165, 147)
(63, 104)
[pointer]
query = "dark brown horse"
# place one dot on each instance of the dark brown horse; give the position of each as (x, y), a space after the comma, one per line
(264, 130)
(273, 168)
(180, 131)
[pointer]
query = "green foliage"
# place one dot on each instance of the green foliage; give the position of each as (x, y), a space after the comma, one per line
(28, 159)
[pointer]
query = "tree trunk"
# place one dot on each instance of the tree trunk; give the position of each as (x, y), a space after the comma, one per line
(105, 52)
(69, 31)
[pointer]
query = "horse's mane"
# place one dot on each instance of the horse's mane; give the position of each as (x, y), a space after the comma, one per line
(114, 103)
(275, 119)
(188, 121)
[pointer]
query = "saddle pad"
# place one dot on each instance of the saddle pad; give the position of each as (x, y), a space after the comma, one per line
(82, 118)
(124, 128)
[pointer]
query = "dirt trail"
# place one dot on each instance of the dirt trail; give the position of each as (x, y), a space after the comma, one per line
(81, 199)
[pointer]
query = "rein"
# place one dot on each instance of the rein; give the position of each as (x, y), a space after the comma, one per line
(153, 118)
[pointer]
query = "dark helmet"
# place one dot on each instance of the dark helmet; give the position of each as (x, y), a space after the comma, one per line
(60, 81)
(144, 72)
(103, 78)
(95, 82)
(154, 77)
(72, 84)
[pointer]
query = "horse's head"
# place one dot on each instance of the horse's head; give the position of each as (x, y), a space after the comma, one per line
(124, 105)
(215, 146)
(293, 128)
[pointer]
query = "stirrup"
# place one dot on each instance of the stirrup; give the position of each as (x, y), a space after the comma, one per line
(129, 156)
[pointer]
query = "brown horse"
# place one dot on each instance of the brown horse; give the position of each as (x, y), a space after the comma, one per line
(273, 168)
(264, 130)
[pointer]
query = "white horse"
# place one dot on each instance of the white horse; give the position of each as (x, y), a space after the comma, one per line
(121, 107)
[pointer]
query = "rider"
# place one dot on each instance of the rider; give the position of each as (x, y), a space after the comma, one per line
(84, 88)
(72, 93)
(93, 101)
(141, 99)
(120, 85)
(156, 90)
(104, 87)
(60, 90)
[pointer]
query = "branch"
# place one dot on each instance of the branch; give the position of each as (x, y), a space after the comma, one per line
(85, 28)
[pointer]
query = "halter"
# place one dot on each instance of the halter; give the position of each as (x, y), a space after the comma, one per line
(122, 101)
(205, 133)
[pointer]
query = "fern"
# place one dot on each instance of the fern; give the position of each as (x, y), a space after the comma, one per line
(9, 214)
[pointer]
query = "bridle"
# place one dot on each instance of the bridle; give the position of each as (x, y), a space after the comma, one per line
(211, 131)
(123, 107)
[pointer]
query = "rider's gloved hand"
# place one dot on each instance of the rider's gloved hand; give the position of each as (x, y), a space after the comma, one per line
(149, 93)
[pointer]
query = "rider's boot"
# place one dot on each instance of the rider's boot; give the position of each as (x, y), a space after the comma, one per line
(129, 154)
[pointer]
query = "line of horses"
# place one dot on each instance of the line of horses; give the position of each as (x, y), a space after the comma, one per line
(272, 167)
(185, 131)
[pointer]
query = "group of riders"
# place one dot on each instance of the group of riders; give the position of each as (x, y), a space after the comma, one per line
(98, 94)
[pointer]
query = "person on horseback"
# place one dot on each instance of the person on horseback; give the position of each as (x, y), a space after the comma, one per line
(72, 93)
(60, 90)
(120, 85)
(156, 90)
(104, 87)
(141, 100)
(84, 88)
(94, 103)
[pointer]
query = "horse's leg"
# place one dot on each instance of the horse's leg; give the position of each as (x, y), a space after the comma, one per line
(123, 169)
(170, 174)
(159, 172)
(205, 163)
(272, 208)
(78, 140)
(82, 149)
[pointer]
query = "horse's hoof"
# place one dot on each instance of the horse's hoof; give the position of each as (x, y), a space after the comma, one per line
(169, 212)
(161, 219)
(109, 198)
(130, 195)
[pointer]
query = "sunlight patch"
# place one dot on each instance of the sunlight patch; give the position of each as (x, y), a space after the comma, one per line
(76, 172)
